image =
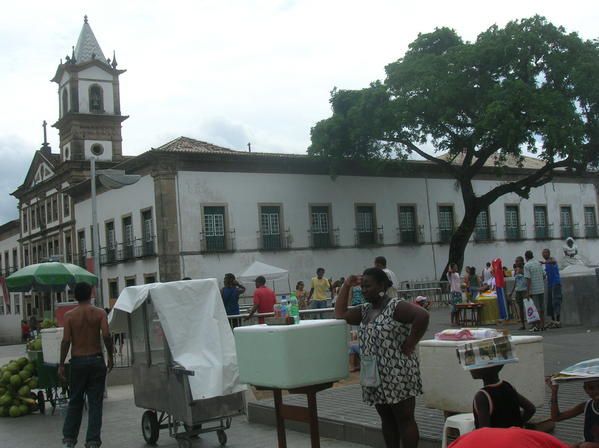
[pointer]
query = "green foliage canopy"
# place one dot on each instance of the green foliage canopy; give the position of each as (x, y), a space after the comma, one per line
(528, 86)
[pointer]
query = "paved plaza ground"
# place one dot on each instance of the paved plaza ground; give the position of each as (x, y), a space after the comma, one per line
(339, 408)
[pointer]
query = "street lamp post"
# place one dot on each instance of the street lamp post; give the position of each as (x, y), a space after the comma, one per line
(95, 230)
(111, 179)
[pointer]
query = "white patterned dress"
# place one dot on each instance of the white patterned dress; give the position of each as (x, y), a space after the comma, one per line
(399, 374)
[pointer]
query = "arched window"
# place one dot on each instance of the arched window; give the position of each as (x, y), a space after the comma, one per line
(65, 101)
(96, 103)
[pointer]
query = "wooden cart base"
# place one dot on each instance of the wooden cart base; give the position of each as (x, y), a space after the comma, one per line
(298, 413)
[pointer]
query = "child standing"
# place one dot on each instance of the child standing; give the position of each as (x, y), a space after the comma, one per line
(520, 286)
(474, 283)
(590, 408)
(301, 295)
(24, 331)
(498, 404)
(455, 289)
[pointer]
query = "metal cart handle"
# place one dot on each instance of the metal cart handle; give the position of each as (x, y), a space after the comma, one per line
(178, 370)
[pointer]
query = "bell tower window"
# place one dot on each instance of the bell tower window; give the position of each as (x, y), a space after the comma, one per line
(96, 103)
(65, 101)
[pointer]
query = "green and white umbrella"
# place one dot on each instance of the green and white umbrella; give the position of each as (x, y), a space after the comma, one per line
(49, 277)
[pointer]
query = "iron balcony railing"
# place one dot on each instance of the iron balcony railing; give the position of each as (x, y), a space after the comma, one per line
(591, 231)
(544, 232)
(127, 251)
(324, 240)
(274, 241)
(6, 272)
(414, 235)
(365, 238)
(444, 234)
(485, 234)
(515, 233)
(569, 231)
(217, 243)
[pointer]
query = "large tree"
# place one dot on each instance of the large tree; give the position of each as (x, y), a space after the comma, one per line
(528, 87)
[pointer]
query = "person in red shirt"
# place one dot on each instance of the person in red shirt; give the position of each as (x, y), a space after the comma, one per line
(24, 331)
(507, 437)
(264, 299)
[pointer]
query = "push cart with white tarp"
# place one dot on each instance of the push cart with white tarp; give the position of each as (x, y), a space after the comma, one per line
(184, 364)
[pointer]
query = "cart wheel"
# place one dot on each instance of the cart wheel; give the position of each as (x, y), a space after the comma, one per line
(183, 442)
(222, 437)
(41, 402)
(149, 427)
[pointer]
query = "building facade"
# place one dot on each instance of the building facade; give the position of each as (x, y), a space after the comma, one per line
(199, 210)
(11, 304)
(219, 210)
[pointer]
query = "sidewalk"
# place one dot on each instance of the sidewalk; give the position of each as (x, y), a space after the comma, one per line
(344, 416)
(122, 428)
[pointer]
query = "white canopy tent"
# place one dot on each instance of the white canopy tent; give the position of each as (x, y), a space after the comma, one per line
(270, 273)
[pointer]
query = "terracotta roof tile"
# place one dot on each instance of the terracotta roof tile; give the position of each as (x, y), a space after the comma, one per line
(511, 162)
(186, 144)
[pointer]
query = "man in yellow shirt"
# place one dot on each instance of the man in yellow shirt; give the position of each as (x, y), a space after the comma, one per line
(319, 290)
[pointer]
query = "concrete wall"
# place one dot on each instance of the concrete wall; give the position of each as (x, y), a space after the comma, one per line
(580, 305)
(10, 329)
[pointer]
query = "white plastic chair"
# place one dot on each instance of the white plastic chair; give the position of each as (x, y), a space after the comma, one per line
(464, 423)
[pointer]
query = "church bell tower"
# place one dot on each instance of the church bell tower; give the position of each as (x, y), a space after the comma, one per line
(90, 117)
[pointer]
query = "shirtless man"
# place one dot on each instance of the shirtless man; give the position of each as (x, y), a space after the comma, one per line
(82, 328)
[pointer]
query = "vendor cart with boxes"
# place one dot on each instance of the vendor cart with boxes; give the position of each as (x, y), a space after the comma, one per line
(167, 365)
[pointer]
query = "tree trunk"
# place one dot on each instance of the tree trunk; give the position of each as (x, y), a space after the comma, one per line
(460, 238)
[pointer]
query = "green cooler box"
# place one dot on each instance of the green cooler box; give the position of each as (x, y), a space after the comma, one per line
(290, 356)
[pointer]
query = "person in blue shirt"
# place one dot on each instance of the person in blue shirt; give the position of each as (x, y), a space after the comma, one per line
(230, 293)
(554, 289)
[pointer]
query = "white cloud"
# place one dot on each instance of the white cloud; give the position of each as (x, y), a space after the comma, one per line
(16, 156)
(257, 70)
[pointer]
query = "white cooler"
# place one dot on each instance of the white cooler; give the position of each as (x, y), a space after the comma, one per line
(51, 339)
(447, 386)
(290, 356)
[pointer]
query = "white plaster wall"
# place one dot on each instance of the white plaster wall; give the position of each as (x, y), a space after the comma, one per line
(10, 329)
(95, 73)
(242, 192)
(106, 155)
(114, 205)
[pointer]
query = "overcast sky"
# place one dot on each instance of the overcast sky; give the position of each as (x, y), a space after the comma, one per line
(228, 72)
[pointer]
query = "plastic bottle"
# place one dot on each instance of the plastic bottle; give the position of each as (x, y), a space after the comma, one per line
(294, 308)
(284, 307)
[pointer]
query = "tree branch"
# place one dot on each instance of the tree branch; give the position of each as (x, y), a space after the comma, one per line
(523, 186)
(481, 158)
(443, 163)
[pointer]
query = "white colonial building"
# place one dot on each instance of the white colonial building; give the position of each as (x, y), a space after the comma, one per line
(218, 210)
(200, 210)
